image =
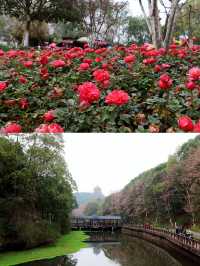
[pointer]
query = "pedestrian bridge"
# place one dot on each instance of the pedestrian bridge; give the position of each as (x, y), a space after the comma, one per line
(96, 222)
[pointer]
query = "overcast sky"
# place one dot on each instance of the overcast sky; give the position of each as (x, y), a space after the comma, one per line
(135, 9)
(112, 160)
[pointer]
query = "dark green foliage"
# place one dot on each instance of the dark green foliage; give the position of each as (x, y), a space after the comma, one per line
(35, 190)
(137, 30)
(48, 10)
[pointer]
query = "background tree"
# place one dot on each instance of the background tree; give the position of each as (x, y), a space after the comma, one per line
(137, 30)
(28, 11)
(188, 20)
(163, 195)
(36, 197)
(98, 17)
(152, 17)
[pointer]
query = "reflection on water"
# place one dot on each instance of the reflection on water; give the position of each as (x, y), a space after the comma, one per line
(125, 252)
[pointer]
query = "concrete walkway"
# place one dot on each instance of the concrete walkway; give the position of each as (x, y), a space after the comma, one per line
(196, 235)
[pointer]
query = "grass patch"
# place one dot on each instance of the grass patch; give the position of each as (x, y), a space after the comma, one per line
(67, 244)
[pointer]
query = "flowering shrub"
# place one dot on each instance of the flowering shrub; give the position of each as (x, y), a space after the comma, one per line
(122, 89)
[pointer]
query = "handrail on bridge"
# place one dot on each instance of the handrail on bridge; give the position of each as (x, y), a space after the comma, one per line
(185, 241)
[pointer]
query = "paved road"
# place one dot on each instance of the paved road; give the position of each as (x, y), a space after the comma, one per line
(196, 235)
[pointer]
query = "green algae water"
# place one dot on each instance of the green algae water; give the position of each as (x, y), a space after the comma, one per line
(67, 244)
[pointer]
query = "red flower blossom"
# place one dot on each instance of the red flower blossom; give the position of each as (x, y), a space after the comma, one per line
(11, 128)
(165, 66)
(58, 63)
(194, 73)
(185, 123)
(55, 128)
(197, 127)
(165, 82)
(190, 85)
(28, 64)
(87, 60)
(44, 128)
(22, 80)
(44, 73)
(157, 68)
(98, 59)
(101, 75)
(1, 52)
(129, 59)
(117, 97)
(84, 66)
(52, 128)
(149, 61)
(12, 53)
(88, 92)
(49, 116)
(23, 103)
(44, 60)
(3, 86)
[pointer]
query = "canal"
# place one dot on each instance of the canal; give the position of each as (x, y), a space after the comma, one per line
(107, 249)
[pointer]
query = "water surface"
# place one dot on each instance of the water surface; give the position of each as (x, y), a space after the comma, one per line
(114, 250)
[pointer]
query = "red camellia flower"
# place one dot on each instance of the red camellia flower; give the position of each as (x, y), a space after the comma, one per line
(157, 68)
(44, 73)
(84, 66)
(23, 103)
(165, 82)
(190, 85)
(194, 73)
(166, 66)
(28, 64)
(87, 60)
(88, 92)
(12, 53)
(98, 59)
(58, 63)
(52, 128)
(185, 123)
(101, 75)
(42, 129)
(197, 127)
(55, 128)
(49, 116)
(149, 61)
(117, 97)
(129, 59)
(11, 128)
(23, 80)
(3, 86)
(44, 60)
(1, 52)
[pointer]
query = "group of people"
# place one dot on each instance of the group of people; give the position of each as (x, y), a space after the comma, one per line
(181, 230)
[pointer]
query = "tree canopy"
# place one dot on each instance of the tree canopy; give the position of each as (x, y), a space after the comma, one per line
(35, 190)
(166, 194)
(28, 11)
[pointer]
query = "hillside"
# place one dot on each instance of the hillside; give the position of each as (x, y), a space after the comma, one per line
(85, 197)
(166, 194)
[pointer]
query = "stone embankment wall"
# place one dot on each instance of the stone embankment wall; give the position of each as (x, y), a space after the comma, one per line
(167, 240)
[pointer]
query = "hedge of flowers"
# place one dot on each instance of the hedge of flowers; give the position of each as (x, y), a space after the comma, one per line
(122, 89)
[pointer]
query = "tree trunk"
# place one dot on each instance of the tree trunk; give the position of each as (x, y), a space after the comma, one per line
(155, 24)
(171, 23)
(26, 37)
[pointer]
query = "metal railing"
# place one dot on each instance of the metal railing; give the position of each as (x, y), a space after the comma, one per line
(179, 239)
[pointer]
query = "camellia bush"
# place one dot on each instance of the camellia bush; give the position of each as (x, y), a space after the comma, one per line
(122, 89)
